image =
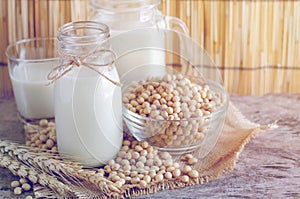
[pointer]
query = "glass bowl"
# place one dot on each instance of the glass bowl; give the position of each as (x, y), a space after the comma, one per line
(184, 135)
(139, 59)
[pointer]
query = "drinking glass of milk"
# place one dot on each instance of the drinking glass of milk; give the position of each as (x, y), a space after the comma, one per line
(123, 16)
(88, 106)
(29, 62)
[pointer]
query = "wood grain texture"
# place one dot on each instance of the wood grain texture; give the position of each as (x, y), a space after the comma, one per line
(269, 166)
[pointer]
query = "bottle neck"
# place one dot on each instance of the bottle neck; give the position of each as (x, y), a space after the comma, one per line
(85, 51)
(82, 37)
(125, 14)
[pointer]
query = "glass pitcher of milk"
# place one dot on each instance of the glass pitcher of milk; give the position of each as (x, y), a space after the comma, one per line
(122, 16)
(88, 111)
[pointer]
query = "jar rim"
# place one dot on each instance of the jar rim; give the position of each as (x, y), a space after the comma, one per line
(64, 30)
(123, 5)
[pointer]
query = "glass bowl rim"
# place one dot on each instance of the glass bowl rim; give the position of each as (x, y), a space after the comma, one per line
(216, 113)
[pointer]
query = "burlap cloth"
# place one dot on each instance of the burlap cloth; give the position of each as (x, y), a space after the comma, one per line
(236, 133)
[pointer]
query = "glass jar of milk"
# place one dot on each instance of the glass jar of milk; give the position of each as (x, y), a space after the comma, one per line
(88, 111)
(123, 16)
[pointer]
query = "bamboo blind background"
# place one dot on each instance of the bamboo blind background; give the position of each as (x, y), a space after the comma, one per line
(21, 19)
(254, 43)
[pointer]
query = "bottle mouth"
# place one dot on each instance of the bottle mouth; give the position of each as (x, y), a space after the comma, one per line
(83, 32)
(123, 5)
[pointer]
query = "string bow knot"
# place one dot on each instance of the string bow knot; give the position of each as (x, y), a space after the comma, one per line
(77, 61)
(72, 61)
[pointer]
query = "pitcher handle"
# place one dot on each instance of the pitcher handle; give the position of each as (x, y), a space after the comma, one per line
(174, 23)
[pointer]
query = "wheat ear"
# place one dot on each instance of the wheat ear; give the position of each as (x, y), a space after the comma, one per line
(19, 169)
(51, 164)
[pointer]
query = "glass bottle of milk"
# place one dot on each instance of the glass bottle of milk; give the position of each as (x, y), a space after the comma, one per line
(124, 16)
(88, 110)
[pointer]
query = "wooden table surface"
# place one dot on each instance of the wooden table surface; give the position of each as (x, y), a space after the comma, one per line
(269, 166)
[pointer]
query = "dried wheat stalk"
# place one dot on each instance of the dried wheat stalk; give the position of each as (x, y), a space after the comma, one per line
(19, 169)
(82, 182)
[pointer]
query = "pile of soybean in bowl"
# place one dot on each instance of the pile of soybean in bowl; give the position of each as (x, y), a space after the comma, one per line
(173, 111)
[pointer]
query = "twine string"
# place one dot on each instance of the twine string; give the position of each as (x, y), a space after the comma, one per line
(73, 61)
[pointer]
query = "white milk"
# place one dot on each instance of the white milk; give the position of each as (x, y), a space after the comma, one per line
(33, 97)
(136, 51)
(88, 115)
